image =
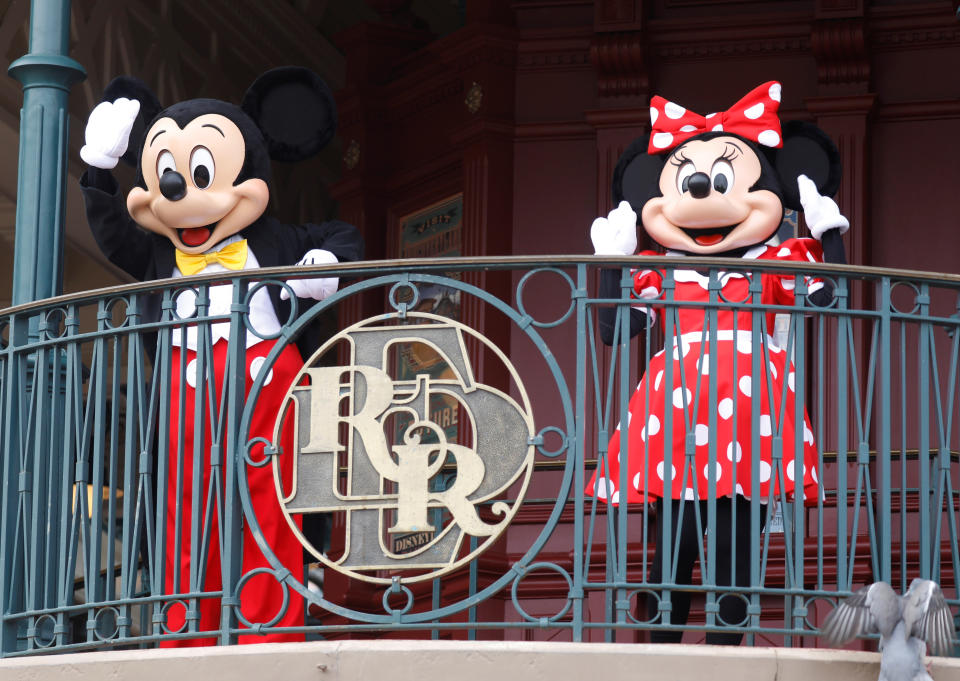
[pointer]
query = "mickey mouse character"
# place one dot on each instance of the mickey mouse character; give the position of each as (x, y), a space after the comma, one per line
(716, 185)
(198, 205)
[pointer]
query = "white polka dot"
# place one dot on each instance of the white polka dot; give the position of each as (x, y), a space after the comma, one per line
(688, 128)
(784, 252)
(255, 366)
(192, 373)
(674, 111)
(788, 469)
(745, 385)
(649, 292)
(739, 489)
(711, 115)
(765, 426)
(656, 383)
(662, 140)
(725, 408)
(718, 127)
(744, 344)
(652, 427)
(661, 468)
(603, 487)
(702, 434)
(654, 115)
(703, 365)
(682, 349)
(637, 481)
(773, 370)
(768, 138)
(807, 435)
(734, 451)
(658, 353)
(717, 471)
(615, 499)
(774, 92)
(811, 257)
(764, 471)
(678, 397)
(790, 381)
(788, 283)
(813, 474)
(754, 112)
(689, 494)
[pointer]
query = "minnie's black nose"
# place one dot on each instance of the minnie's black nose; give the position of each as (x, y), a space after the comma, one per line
(174, 187)
(699, 185)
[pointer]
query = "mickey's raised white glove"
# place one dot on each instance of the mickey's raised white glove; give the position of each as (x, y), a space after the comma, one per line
(821, 212)
(318, 289)
(108, 132)
(615, 234)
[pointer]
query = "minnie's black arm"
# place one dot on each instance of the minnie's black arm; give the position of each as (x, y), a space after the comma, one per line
(833, 252)
(607, 316)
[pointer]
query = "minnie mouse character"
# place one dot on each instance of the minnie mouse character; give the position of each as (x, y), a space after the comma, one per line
(716, 185)
(198, 205)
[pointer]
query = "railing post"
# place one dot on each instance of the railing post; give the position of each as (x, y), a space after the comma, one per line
(884, 516)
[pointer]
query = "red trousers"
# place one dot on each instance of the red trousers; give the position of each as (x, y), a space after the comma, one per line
(261, 597)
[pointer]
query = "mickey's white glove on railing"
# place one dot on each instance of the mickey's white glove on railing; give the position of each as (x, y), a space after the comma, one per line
(108, 132)
(615, 234)
(821, 212)
(318, 289)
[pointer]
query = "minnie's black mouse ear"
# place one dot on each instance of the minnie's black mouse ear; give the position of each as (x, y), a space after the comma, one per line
(294, 109)
(807, 150)
(134, 88)
(636, 178)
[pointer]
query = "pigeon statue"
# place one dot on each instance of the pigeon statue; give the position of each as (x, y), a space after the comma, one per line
(907, 625)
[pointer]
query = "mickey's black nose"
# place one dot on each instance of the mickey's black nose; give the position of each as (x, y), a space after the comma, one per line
(174, 187)
(698, 184)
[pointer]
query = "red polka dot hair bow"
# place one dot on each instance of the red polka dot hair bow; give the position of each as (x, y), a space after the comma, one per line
(753, 117)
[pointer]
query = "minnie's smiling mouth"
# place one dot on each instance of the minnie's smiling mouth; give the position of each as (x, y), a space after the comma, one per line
(708, 236)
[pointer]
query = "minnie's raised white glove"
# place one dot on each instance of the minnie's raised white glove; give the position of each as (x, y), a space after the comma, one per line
(318, 289)
(615, 234)
(821, 212)
(108, 132)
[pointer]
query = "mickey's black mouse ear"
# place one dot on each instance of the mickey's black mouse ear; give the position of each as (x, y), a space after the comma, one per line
(636, 178)
(807, 150)
(294, 109)
(134, 88)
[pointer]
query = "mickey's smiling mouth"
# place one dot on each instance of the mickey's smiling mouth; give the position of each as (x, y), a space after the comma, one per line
(708, 236)
(195, 236)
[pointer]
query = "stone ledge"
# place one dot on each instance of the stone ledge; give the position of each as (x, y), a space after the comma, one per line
(464, 661)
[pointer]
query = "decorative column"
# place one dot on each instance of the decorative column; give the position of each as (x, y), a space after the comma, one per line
(47, 74)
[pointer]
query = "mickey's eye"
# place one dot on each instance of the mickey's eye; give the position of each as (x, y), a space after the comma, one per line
(722, 176)
(683, 176)
(201, 167)
(165, 163)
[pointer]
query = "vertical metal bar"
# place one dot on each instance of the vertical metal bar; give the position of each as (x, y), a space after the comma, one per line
(884, 538)
(580, 455)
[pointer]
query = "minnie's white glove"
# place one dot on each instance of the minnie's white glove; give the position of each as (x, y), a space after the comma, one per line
(108, 132)
(318, 289)
(615, 234)
(821, 212)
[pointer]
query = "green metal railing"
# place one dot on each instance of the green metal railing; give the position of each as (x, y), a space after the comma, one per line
(86, 404)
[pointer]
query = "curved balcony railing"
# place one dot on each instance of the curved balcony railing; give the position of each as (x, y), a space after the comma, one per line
(445, 465)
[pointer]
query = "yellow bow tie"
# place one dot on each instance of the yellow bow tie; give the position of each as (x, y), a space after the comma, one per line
(233, 257)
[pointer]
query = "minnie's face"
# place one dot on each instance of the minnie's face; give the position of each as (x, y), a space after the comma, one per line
(707, 206)
(189, 173)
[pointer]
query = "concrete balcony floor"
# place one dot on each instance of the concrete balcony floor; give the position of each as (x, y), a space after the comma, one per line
(399, 660)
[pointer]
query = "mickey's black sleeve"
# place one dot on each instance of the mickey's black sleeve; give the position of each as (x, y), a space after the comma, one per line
(340, 238)
(118, 236)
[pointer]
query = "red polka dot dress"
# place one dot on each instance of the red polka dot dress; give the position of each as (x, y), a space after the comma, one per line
(668, 425)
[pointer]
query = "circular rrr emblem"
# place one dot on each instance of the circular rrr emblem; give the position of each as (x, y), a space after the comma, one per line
(406, 446)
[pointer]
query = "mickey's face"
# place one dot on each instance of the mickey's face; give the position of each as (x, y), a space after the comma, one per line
(189, 173)
(707, 206)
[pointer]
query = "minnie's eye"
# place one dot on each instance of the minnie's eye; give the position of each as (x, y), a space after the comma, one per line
(201, 167)
(683, 176)
(721, 176)
(165, 163)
